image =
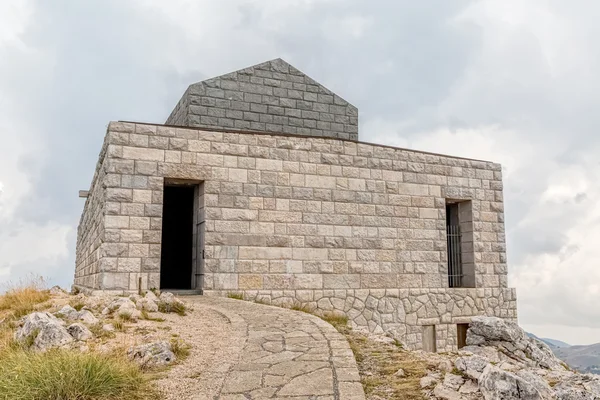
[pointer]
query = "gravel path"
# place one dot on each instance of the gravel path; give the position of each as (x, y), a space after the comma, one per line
(217, 341)
(244, 351)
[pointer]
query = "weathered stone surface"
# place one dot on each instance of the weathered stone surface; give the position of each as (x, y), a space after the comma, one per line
(508, 336)
(87, 317)
(48, 331)
(79, 332)
(472, 366)
(68, 312)
(495, 384)
(152, 354)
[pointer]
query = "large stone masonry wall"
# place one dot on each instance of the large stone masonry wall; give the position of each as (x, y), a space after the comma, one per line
(269, 97)
(345, 226)
(90, 232)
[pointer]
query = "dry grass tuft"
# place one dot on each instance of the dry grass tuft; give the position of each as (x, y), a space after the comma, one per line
(70, 375)
(304, 307)
(119, 325)
(177, 308)
(338, 320)
(23, 298)
(236, 296)
(180, 348)
(126, 316)
(100, 333)
(148, 317)
(77, 304)
(377, 364)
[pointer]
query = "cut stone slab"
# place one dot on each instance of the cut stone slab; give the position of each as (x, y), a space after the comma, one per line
(319, 382)
(242, 381)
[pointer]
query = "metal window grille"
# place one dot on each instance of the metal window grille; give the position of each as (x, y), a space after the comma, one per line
(455, 273)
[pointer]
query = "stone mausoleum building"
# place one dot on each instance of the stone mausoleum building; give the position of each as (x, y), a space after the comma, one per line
(257, 184)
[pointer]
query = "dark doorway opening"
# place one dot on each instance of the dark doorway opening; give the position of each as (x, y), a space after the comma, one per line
(461, 333)
(176, 260)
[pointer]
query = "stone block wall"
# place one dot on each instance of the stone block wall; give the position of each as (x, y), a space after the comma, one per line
(269, 97)
(90, 232)
(353, 227)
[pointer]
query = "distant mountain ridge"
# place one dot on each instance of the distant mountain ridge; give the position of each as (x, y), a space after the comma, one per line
(553, 343)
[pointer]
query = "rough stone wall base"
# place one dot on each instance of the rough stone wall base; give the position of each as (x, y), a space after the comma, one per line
(402, 313)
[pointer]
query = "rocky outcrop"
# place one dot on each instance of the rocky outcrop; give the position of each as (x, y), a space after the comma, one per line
(68, 312)
(152, 354)
(42, 331)
(502, 362)
(511, 340)
(123, 306)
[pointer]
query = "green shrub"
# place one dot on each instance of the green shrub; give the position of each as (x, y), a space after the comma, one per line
(70, 375)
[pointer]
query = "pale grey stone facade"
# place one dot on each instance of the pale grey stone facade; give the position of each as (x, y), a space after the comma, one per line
(336, 224)
(269, 97)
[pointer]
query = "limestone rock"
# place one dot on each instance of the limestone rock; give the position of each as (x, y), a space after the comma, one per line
(471, 366)
(453, 382)
(495, 384)
(400, 373)
(147, 304)
(79, 332)
(151, 296)
(152, 354)
(48, 330)
(564, 391)
(441, 391)
(169, 298)
(68, 312)
(539, 383)
(469, 387)
(87, 317)
(122, 306)
(57, 291)
(429, 380)
(511, 339)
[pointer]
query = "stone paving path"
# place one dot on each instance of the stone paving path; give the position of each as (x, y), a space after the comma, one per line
(285, 354)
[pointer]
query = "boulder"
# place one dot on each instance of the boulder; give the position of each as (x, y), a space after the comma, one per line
(510, 339)
(538, 382)
(469, 387)
(46, 330)
(471, 366)
(68, 312)
(147, 304)
(79, 332)
(108, 327)
(495, 384)
(152, 354)
(429, 380)
(57, 291)
(565, 391)
(123, 306)
(400, 373)
(453, 382)
(169, 299)
(87, 317)
(151, 296)
(441, 391)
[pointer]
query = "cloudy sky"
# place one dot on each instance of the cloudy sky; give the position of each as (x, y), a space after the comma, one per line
(509, 81)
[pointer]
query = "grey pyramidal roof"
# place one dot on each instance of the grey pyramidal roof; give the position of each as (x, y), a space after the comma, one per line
(269, 97)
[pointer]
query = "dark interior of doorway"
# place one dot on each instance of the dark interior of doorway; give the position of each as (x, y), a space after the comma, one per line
(177, 237)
